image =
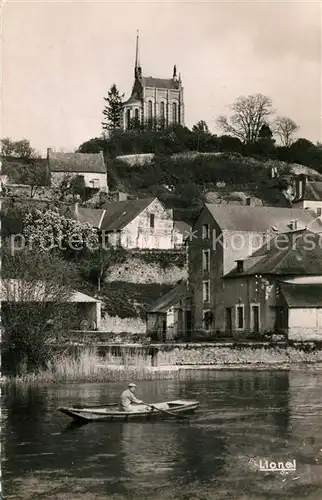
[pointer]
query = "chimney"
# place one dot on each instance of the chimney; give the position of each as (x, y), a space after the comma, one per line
(248, 200)
(240, 266)
(48, 152)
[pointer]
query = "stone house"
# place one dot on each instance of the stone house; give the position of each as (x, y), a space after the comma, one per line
(278, 288)
(134, 224)
(170, 317)
(223, 235)
(308, 194)
(65, 166)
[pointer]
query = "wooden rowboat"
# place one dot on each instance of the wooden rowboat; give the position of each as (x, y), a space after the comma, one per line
(112, 413)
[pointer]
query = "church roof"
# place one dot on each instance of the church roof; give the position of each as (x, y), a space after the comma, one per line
(160, 83)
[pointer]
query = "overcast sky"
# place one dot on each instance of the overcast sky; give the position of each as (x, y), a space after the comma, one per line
(60, 59)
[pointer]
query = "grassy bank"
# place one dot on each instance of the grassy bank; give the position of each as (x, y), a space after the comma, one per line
(88, 366)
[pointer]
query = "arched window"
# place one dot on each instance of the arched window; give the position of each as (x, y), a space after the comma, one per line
(136, 114)
(174, 112)
(162, 109)
(128, 118)
(150, 110)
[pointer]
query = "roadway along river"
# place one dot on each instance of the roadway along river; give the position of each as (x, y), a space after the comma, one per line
(244, 417)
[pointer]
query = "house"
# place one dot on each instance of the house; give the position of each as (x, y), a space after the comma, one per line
(308, 194)
(134, 224)
(223, 235)
(277, 288)
(34, 292)
(170, 317)
(65, 166)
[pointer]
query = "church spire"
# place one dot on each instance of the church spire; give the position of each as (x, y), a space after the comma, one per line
(137, 68)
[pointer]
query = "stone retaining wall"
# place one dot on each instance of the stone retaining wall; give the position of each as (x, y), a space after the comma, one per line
(239, 354)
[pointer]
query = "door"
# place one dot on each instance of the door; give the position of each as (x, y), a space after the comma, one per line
(229, 319)
(188, 323)
(255, 316)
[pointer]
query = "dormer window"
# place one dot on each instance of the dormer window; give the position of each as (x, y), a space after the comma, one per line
(293, 225)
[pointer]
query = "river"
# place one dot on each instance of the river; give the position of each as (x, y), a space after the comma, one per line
(244, 417)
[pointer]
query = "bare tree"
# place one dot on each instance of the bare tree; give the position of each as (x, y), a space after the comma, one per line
(285, 129)
(249, 114)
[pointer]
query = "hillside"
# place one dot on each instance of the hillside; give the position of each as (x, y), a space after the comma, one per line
(186, 180)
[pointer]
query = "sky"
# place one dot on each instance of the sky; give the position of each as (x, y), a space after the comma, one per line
(59, 60)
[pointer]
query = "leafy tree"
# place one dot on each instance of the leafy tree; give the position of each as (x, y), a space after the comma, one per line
(113, 110)
(34, 174)
(36, 287)
(285, 128)
(201, 127)
(249, 114)
(17, 149)
(94, 145)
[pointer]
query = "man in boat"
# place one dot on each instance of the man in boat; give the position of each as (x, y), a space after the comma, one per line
(127, 398)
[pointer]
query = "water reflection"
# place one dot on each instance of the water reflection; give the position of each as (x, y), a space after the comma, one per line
(243, 416)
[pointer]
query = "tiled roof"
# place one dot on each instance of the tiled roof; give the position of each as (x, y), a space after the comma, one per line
(183, 228)
(93, 216)
(297, 253)
(120, 213)
(302, 295)
(170, 299)
(77, 162)
(312, 191)
(160, 83)
(248, 218)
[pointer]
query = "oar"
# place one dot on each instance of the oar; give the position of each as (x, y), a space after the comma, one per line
(165, 411)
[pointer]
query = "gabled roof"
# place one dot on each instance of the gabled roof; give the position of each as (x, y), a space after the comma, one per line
(170, 299)
(160, 83)
(258, 218)
(77, 162)
(299, 296)
(312, 191)
(93, 216)
(119, 214)
(297, 253)
(182, 227)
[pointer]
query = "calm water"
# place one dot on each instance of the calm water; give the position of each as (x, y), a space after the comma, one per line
(243, 416)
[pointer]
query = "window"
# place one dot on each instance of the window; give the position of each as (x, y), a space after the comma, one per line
(151, 220)
(207, 319)
(162, 109)
(94, 183)
(240, 317)
(240, 266)
(128, 118)
(206, 291)
(319, 211)
(205, 232)
(174, 112)
(205, 260)
(150, 110)
(136, 114)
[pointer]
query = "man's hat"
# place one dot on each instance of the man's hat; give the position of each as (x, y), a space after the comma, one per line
(132, 385)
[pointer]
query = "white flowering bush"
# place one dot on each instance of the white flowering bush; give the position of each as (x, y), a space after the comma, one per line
(49, 229)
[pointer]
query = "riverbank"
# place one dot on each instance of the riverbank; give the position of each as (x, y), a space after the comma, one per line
(134, 362)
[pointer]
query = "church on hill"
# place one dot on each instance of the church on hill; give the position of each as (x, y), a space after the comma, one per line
(154, 100)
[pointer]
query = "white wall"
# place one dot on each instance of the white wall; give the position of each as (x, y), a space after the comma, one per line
(100, 180)
(305, 324)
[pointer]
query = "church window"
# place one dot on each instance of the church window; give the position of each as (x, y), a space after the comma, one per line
(174, 112)
(162, 109)
(128, 118)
